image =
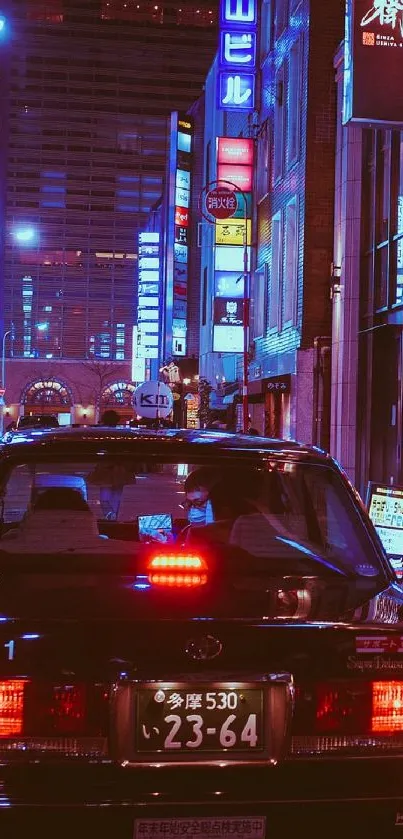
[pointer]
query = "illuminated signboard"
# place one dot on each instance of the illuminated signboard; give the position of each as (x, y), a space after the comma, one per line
(148, 303)
(228, 284)
(182, 216)
(373, 67)
(235, 164)
(178, 235)
(235, 150)
(138, 364)
(241, 176)
(228, 312)
(230, 258)
(385, 507)
(232, 232)
(228, 339)
(237, 55)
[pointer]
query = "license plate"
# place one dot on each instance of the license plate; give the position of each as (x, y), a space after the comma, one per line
(249, 828)
(179, 720)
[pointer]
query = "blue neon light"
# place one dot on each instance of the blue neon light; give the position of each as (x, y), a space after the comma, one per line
(238, 49)
(237, 55)
(239, 11)
(236, 91)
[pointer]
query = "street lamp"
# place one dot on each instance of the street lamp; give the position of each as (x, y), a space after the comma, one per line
(11, 332)
(246, 306)
(24, 235)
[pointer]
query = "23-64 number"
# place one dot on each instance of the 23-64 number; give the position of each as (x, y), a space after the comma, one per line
(227, 736)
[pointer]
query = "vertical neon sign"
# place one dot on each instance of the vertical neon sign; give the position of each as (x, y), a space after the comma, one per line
(148, 305)
(237, 55)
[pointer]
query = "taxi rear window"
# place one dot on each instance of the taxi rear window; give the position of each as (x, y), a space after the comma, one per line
(269, 509)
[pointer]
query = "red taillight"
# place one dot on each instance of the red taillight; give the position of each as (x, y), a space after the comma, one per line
(11, 707)
(387, 707)
(348, 715)
(177, 570)
(41, 716)
(58, 710)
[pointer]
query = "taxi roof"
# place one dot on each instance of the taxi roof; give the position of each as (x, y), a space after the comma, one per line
(134, 441)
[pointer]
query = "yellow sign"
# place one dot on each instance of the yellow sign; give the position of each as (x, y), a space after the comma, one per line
(232, 232)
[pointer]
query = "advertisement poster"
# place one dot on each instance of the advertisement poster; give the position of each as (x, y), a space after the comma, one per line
(373, 63)
(385, 507)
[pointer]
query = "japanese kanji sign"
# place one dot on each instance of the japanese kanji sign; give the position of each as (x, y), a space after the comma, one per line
(221, 202)
(237, 55)
(374, 62)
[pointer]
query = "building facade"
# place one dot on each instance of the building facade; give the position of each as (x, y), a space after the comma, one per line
(293, 127)
(87, 148)
(367, 375)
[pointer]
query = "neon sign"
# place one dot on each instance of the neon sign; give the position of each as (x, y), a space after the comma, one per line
(232, 235)
(148, 304)
(237, 55)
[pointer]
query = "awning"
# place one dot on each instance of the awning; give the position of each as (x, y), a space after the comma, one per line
(228, 400)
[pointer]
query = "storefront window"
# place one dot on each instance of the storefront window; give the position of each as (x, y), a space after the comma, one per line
(399, 272)
(383, 173)
(399, 196)
(381, 277)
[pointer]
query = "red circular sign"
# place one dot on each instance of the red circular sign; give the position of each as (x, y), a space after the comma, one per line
(221, 202)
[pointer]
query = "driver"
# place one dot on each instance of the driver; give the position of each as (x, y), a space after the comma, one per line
(198, 489)
(214, 499)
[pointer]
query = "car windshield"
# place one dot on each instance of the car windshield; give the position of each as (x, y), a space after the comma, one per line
(269, 510)
(26, 422)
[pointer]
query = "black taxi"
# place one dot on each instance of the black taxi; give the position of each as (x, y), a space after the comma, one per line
(200, 635)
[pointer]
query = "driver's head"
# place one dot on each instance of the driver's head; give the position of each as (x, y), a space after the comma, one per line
(198, 488)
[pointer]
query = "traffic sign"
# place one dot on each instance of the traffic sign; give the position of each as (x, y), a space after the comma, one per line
(221, 202)
(2, 391)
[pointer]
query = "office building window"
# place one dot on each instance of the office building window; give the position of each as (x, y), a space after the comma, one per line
(290, 263)
(259, 301)
(275, 273)
(294, 103)
(294, 6)
(280, 17)
(266, 29)
(204, 298)
(278, 138)
(263, 163)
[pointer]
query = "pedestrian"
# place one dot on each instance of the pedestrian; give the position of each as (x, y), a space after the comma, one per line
(111, 476)
(110, 418)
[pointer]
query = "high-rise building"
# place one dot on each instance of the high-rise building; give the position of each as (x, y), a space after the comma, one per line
(267, 328)
(92, 86)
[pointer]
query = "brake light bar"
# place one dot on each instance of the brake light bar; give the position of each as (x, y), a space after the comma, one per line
(177, 570)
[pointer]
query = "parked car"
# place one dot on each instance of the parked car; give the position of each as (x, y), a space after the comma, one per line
(229, 661)
(28, 422)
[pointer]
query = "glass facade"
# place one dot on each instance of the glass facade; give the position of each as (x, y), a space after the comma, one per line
(86, 161)
(383, 221)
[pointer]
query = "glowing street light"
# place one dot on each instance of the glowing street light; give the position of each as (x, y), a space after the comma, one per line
(42, 327)
(2, 23)
(25, 235)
